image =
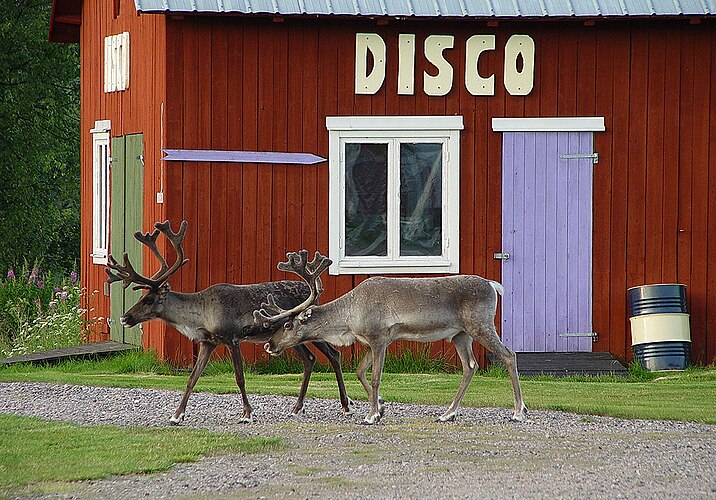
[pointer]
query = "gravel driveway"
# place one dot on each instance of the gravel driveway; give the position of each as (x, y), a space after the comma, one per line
(408, 455)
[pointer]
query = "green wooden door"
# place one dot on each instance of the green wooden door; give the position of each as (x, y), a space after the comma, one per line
(126, 206)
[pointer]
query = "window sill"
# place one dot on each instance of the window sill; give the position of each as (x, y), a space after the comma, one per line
(99, 259)
(375, 266)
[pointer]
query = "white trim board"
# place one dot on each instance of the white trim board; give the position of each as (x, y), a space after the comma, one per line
(557, 124)
(411, 123)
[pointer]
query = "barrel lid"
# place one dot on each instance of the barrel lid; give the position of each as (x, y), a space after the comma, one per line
(656, 284)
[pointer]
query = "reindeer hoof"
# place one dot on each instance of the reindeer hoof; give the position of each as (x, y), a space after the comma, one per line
(448, 417)
(350, 407)
(381, 406)
(295, 413)
(521, 416)
(176, 420)
(371, 419)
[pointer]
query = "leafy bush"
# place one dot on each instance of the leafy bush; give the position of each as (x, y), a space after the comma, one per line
(40, 311)
(39, 157)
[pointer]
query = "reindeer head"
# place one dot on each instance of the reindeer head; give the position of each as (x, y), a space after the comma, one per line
(151, 305)
(293, 331)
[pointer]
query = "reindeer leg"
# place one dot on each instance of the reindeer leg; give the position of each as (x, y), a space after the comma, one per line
(239, 374)
(492, 343)
(463, 345)
(308, 360)
(362, 369)
(334, 357)
(205, 350)
(376, 408)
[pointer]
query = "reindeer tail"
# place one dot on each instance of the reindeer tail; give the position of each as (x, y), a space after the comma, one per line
(498, 288)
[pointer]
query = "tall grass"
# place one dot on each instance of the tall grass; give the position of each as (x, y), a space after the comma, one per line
(416, 360)
(40, 311)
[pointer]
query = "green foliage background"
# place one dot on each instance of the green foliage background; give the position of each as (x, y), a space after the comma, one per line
(39, 140)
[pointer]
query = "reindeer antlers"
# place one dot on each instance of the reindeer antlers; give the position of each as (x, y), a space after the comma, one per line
(297, 263)
(128, 275)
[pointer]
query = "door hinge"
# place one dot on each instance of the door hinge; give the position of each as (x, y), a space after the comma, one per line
(501, 256)
(593, 156)
(593, 335)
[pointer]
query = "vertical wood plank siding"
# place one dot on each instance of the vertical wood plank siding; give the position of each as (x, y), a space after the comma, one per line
(251, 83)
(136, 110)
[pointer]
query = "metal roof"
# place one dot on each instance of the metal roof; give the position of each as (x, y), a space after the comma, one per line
(439, 8)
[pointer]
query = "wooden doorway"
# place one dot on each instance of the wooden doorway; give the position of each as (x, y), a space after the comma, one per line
(126, 207)
(547, 232)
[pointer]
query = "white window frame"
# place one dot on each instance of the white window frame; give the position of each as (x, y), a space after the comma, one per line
(101, 158)
(444, 129)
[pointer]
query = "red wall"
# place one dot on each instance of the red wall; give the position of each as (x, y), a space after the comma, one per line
(135, 110)
(255, 84)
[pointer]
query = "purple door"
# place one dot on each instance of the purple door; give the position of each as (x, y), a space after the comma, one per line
(547, 233)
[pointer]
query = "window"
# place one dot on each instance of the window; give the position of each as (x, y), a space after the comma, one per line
(116, 62)
(394, 194)
(100, 190)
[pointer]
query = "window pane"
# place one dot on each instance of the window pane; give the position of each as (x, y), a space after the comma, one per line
(366, 199)
(421, 199)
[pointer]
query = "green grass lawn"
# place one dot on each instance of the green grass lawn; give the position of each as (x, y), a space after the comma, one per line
(687, 395)
(35, 451)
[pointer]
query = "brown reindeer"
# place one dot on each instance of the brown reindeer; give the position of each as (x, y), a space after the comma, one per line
(380, 310)
(219, 315)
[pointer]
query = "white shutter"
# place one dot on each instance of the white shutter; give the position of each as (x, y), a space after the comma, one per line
(100, 190)
(107, 64)
(116, 62)
(124, 71)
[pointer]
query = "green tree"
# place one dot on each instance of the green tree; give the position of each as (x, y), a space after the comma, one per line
(39, 140)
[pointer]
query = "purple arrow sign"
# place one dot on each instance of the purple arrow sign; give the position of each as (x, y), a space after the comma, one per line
(208, 155)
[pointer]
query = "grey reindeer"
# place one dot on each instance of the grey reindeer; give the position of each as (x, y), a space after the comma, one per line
(381, 310)
(219, 315)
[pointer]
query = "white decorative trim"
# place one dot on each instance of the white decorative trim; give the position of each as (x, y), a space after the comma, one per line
(409, 123)
(101, 126)
(557, 124)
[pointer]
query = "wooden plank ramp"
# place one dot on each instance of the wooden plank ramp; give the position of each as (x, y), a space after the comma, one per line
(561, 364)
(84, 351)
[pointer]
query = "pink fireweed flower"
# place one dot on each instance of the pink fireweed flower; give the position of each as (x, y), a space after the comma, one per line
(73, 277)
(10, 273)
(33, 275)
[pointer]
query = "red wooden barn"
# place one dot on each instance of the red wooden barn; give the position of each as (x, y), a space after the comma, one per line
(572, 136)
